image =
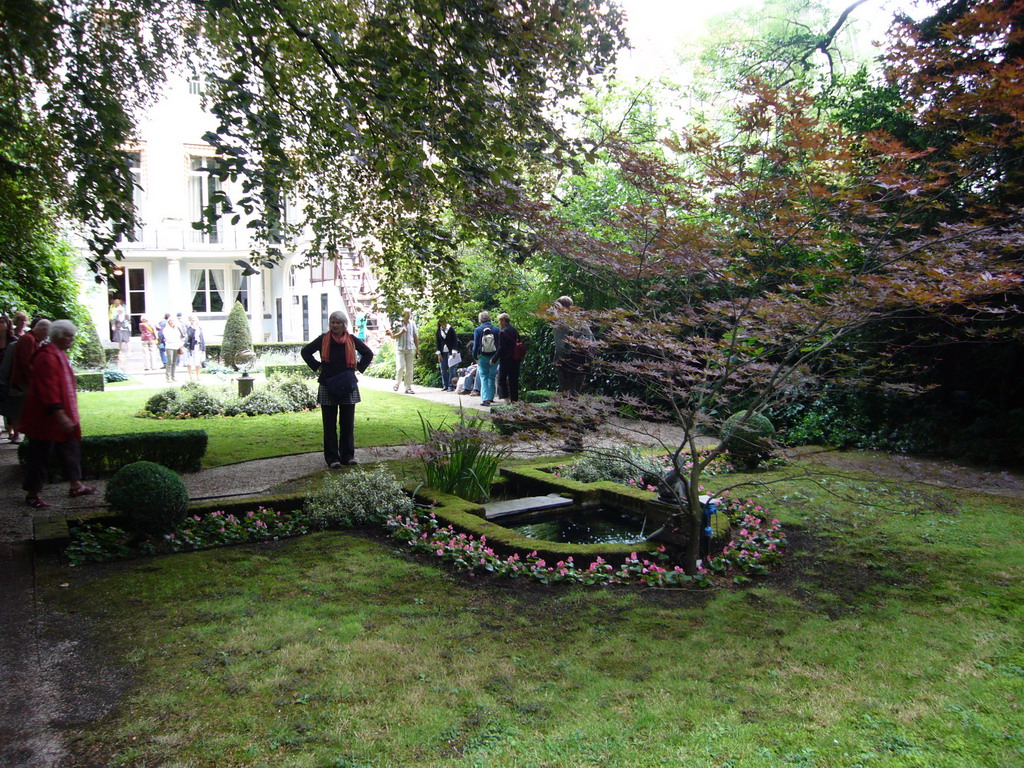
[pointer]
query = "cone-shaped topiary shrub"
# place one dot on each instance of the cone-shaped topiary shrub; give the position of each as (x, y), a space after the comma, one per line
(151, 496)
(749, 443)
(236, 336)
(88, 351)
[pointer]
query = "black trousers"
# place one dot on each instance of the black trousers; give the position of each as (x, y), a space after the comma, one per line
(37, 467)
(508, 379)
(339, 432)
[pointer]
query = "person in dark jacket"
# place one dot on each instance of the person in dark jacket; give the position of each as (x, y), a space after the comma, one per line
(447, 342)
(484, 352)
(508, 366)
(338, 350)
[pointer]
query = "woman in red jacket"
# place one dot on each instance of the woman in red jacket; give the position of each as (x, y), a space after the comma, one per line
(50, 417)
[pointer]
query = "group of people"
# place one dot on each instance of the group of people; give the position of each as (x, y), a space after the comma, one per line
(39, 388)
(176, 341)
(495, 355)
(38, 399)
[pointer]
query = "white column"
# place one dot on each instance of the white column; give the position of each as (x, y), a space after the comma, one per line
(176, 299)
(256, 307)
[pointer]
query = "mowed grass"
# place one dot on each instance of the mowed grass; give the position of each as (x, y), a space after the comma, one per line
(382, 418)
(893, 636)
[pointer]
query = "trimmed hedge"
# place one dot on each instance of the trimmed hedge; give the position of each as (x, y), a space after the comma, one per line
(213, 351)
(180, 450)
(301, 369)
(90, 382)
(539, 395)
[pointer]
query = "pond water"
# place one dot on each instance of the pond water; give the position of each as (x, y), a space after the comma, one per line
(594, 525)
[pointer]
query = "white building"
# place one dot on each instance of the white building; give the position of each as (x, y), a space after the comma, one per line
(170, 267)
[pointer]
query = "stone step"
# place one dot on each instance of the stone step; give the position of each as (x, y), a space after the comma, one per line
(498, 509)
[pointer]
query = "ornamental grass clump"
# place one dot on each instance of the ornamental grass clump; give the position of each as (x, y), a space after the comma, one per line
(152, 497)
(462, 460)
(359, 497)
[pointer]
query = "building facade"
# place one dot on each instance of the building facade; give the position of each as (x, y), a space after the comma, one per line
(171, 267)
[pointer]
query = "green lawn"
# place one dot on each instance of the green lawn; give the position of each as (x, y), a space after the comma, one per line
(892, 637)
(382, 418)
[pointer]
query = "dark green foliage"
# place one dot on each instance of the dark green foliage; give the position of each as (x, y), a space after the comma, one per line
(384, 365)
(264, 402)
(944, 422)
(198, 402)
(163, 402)
(237, 336)
(89, 382)
(181, 451)
(152, 497)
(750, 442)
(193, 400)
(295, 391)
(87, 351)
(111, 356)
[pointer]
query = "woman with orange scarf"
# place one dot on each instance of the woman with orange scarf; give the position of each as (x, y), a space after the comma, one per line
(339, 351)
(50, 417)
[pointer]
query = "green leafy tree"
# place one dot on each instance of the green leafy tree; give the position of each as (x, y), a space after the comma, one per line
(384, 119)
(237, 336)
(73, 77)
(37, 267)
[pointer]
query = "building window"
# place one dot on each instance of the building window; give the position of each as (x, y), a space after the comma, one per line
(324, 272)
(242, 286)
(208, 290)
(201, 186)
(135, 169)
(198, 84)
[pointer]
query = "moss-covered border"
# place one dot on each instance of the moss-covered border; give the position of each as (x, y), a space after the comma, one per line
(468, 517)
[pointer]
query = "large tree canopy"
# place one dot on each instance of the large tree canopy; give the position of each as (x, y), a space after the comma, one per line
(384, 117)
(749, 265)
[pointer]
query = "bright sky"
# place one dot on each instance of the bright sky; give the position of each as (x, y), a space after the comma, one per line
(657, 27)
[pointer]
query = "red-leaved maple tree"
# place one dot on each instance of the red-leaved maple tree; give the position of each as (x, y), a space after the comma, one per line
(761, 259)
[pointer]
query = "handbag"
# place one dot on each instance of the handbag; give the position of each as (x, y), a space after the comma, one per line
(341, 384)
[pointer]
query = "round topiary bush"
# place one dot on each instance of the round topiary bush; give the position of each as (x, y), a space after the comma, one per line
(151, 496)
(748, 443)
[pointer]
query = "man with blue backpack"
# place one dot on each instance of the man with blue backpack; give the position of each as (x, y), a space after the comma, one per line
(485, 348)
